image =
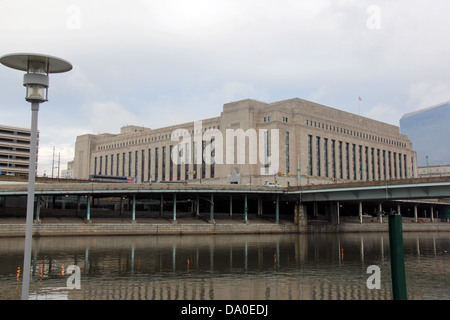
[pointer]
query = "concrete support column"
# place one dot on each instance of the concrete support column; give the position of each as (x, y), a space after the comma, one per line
(121, 205)
(88, 209)
(231, 205)
(277, 209)
(360, 212)
(245, 208)
(260, 206)
(432, 214)
(197, 207)
(211, 209)
(133, 216)
(380, 212)
(398, 209)
(161, 205)
(38, 209)
(415, 213)
(174, 207)
(78, 205)
(300, 217)
(337, 213)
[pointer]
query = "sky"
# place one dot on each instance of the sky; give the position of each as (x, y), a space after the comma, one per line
(159, 63)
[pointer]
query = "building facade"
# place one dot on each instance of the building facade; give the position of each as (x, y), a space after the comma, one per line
(429, 131)
(290, 142)
(14, 150)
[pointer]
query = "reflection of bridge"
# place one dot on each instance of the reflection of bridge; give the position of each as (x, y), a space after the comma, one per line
(259, 267)
(330, 200)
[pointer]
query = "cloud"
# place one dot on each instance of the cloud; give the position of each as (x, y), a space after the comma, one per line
(109, 116)
(157, 63)
(425, 94)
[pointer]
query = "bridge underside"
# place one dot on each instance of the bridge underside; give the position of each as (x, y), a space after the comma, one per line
(307, 204)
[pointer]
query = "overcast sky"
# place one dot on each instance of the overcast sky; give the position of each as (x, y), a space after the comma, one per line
(157, 63)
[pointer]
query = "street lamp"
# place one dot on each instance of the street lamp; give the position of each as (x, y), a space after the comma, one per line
(36, 81)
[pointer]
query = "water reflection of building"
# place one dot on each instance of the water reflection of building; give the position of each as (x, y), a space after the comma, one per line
(297, 267)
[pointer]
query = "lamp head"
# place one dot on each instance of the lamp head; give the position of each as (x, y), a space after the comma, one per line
(38, 67)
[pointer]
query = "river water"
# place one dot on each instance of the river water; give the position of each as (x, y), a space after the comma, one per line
(231, 267)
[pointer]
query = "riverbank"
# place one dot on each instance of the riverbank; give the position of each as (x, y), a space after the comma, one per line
(15, 227)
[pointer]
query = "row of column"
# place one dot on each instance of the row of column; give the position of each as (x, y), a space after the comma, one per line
(350, 161)
(174, 219)
(380, 212)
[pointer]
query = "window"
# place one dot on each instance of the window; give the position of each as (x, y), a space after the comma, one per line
(318, 156)
(123, 163)
(340, 160)
(310, 163)
(212, 172)
(186, 165)
(171, 163)
(149, 176)
(136, 164)
(156, 163)
(203, 160)
(287, 153)
(333, 158)
(266, 148)
(325, 155)
(163, 165)
(142, 165)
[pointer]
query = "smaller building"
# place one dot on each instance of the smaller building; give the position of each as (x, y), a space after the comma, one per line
(434, 171)
(15, 150)
(68, 173)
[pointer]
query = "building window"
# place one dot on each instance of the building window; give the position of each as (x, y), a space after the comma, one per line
(347, 159)
(310, 162)
(372, 164)
(333, 158)
(163, 158)
(203, 160)
(287, 153)
(117, 163)
(395, 165)
(360, 164)
(340, 160)
(390, 165)
(149, 174)
(171, 163)
(266, 148)
(212, 158)
(379, 164)
(123, 164)
(186, 165)
(142, 165)
(354, 160)
(325, 155)
(367, 163)
(156, 163)
(136, 164)
(318, 156)
(178, 162)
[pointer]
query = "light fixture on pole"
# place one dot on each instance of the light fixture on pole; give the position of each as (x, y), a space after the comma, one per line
(36, 81)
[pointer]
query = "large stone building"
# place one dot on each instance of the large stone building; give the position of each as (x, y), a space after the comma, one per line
(294, 142)
(14, 150)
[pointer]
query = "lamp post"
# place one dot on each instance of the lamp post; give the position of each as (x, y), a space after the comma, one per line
(36, 81)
